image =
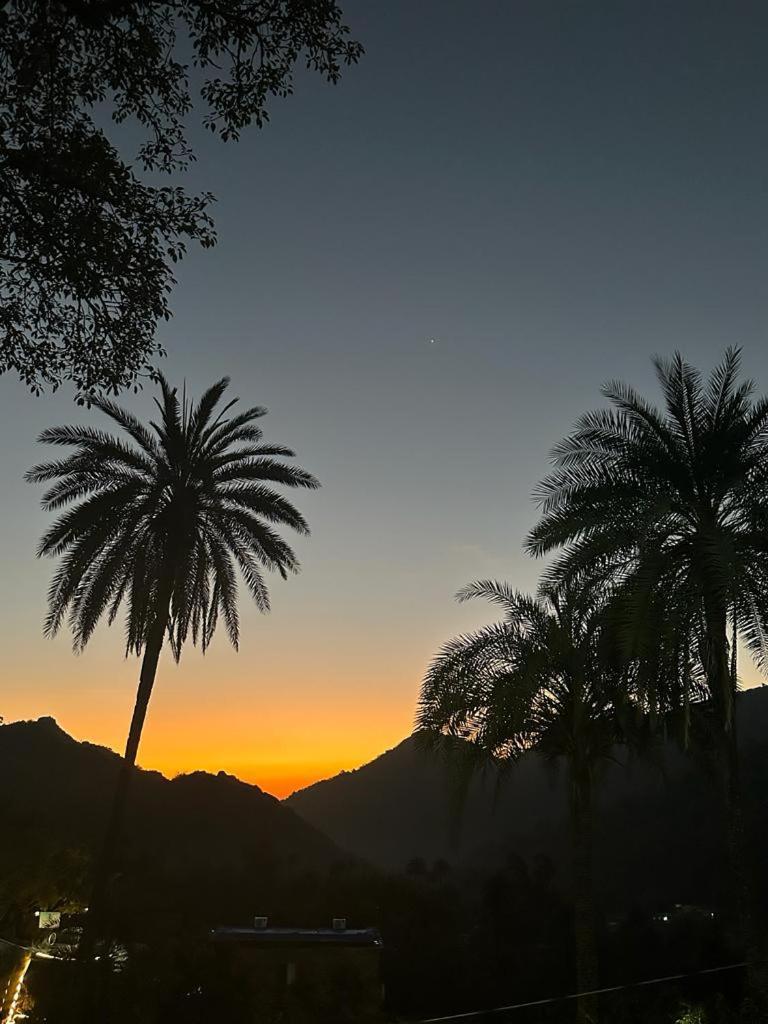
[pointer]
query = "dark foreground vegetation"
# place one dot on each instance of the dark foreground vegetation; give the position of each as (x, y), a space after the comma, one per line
(489, 928)
(90, 239)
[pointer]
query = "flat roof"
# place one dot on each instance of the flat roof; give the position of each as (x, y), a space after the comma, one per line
(298, 936)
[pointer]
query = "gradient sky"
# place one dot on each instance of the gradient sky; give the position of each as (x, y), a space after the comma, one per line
(553, 191)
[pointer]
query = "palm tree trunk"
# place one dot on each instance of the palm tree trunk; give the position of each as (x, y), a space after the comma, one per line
(584, 911)
(97, 912)
(722, 685)
(737, 839)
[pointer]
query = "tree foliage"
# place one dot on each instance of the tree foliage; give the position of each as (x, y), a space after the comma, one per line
(87, 236)
(667, 511)
(537, 680)
(165, 519)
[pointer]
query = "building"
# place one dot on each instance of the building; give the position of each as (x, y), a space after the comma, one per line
(305, 974)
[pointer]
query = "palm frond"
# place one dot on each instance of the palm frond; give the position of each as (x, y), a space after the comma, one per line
(160, 520)
(664, 512)
(536, 680)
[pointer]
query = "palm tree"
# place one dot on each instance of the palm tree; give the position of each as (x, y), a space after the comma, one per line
(159, 522)
(538, 680)
(668, 510)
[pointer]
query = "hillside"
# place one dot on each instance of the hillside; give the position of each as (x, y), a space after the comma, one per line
(223, 850)
(657, 835)
(205, 841)
(403, 805)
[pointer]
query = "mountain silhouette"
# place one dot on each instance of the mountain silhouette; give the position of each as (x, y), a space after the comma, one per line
(406, 804)
(231, 850)
(207, 842)
(658, 834)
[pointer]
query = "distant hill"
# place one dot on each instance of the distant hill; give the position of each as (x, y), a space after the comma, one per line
(658, 823)
(404, 805)
(209, 842)
(218, 850)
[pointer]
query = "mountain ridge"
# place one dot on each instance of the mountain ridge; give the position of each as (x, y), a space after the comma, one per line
(654, 833)
(212, 840)
(655, 839)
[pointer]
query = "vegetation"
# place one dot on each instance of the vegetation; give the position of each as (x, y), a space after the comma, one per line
(207, 850)
(666, 512)
(160, 524)
(659, 520)
(88, 239)
(538, 680)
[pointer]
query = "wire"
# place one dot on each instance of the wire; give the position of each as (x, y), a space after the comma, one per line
(581, 995)
(16, 945)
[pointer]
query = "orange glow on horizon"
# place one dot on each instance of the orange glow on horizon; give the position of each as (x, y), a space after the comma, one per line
(279, 736)
(280, 739)
(290, 716)
(279, 776)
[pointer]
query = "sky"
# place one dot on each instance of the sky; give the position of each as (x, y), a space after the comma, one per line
(425, 273)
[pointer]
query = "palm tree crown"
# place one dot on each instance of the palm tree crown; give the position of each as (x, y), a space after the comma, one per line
(669, 511)
(537, 680)
(161, 520)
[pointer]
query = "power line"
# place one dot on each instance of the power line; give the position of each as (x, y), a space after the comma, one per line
(16, 945)
(579, 995)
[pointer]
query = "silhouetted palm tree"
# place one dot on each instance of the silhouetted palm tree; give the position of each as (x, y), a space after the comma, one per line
(160, 522)
(538, 680)
(669, 511)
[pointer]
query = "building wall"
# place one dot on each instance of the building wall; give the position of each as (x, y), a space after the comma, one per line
(310, 985)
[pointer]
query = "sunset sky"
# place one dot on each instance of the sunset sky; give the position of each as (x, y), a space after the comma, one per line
(552, 192)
